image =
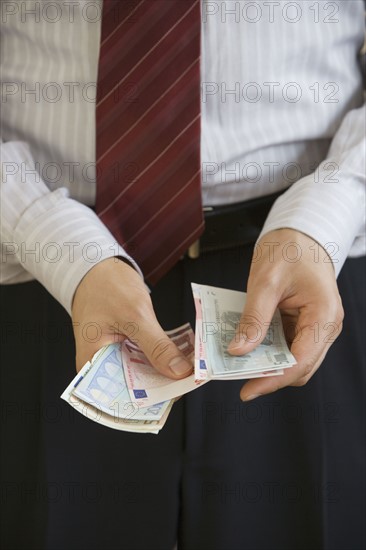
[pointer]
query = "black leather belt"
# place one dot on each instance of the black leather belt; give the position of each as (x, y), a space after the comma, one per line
(232, 225)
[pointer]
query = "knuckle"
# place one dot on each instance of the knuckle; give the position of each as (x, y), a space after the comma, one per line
(339, 327)
(340, 316)
(160, 348)
(138, 310)
(308, 367)
(273, 281)
(305, 374)
(335, 320)
(303, 380)
(250, 318)
(139, 318)
(336, 311)
(331, 307)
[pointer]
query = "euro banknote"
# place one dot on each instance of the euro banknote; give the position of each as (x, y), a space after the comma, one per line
(99, 392)
(218, 313)
(120, 389)
(146, 385)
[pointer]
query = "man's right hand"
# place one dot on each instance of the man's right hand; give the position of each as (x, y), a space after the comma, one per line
(112, 303)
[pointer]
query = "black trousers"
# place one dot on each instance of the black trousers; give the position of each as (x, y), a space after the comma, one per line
(286, 471)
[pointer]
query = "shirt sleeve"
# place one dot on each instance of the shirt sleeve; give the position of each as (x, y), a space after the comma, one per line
(329, 204)
(44, 234)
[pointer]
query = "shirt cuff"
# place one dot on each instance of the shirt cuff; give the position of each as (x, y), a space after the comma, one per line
(46, 235)
(58, 240)
(332, 214)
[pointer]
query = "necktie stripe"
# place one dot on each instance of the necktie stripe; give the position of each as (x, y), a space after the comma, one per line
(135, 98)
(149, 124)
(155, 209)
(159, 169)
(168, 261)
(111, 22)
(120, 108)
(173, 148)
(153, 79)
(158, 163)
(147, 234)
(166, 205)
(127, 62)
(152, 253)
(156, 17)
(127, 50)
(184, 169)
(154, 134)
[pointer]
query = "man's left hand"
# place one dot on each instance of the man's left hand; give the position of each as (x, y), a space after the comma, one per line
(292, 272)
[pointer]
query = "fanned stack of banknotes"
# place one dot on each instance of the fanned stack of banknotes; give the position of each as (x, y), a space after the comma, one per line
(120, 389)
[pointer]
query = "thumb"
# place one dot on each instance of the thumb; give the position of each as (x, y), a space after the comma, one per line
(254, 323)
(161, 351)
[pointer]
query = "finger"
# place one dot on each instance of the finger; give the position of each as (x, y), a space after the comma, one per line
(161, 351)
(289, 323)
(254, 322)
(303, 368)
(309, 349)
(305, 379)
(264, 386)
(311, 345)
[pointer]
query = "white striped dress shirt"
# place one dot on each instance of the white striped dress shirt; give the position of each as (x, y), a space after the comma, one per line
(281, 108)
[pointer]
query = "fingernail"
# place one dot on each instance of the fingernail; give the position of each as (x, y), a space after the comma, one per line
(250, 397)
(180, 366)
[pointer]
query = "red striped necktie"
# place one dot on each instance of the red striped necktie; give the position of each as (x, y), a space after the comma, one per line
(148, 129)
